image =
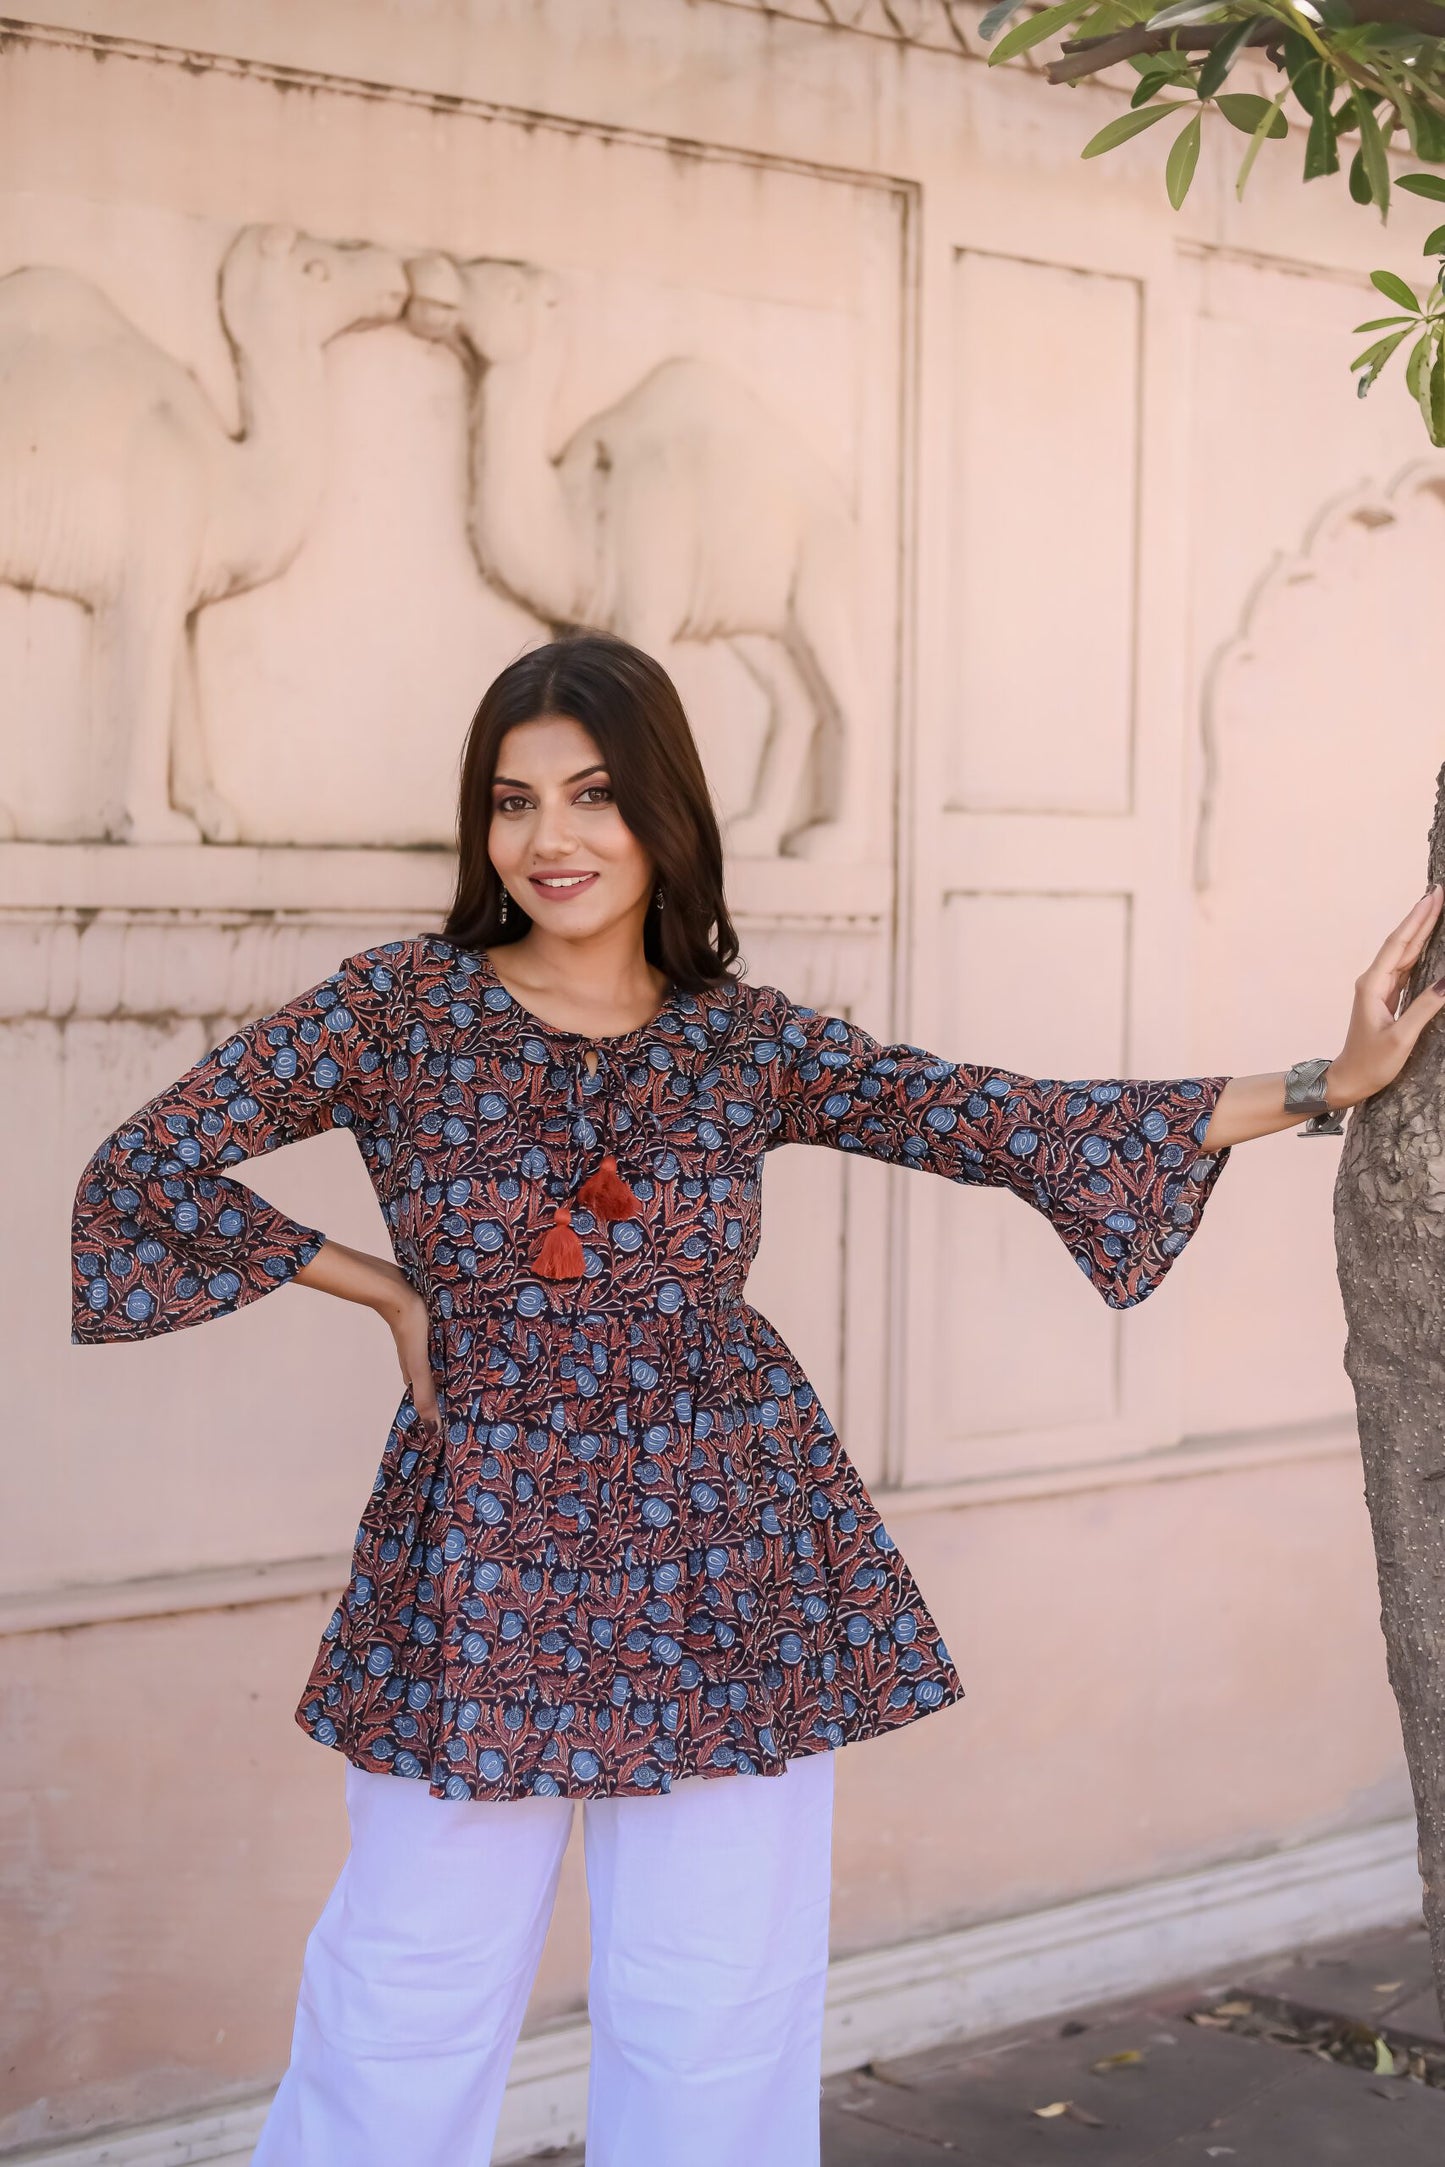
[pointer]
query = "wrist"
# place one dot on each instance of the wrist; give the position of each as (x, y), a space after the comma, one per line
(393, 1294)
(1339, 1090)
(1315, 1093)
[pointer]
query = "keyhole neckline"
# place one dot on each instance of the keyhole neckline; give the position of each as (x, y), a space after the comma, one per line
(588, 1039)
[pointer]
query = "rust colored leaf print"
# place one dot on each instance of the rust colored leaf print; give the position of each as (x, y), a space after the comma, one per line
(636, 1549)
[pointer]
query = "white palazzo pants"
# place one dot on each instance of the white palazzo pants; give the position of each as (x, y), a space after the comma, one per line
(709, 1912)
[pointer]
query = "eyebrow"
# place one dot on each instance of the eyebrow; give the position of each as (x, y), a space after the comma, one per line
(598, 767)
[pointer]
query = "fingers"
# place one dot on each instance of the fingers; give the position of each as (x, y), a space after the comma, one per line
(1402, 948)
(410, 1335)
(424, 1392)
(1422, 1010)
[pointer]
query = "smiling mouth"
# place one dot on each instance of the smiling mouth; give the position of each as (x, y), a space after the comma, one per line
(561, 884)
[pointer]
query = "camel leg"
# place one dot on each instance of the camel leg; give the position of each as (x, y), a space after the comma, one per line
(135, 673)
(775, 807)
(191, 783)
(822, 642)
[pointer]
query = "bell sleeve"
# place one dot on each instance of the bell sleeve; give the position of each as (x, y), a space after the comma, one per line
(162, 1236)
(1117, 1167)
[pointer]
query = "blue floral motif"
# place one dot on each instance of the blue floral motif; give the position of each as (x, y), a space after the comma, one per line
(635, 1548)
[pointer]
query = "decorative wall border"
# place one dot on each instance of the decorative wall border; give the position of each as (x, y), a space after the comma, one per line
(936, 25)
(19, 30)
(964, 1985)
(279, 1580)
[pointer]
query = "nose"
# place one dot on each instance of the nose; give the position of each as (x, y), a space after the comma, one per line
(555, 835)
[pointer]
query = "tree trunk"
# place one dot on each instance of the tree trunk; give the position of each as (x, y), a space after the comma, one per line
(1390, 1248)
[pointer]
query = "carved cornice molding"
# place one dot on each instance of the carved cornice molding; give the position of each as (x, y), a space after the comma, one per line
(224, 965)
(159, 965)
(934, 24)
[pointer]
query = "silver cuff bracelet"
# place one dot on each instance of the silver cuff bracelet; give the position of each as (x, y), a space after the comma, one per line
(1304, 1093)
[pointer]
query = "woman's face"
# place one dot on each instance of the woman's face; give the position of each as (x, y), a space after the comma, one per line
(557, 839)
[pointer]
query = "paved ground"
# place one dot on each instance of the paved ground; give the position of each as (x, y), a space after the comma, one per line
(1265, 2083)
(1313, 2060)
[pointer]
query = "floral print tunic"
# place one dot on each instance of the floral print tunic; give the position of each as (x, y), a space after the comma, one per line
(635, 1548)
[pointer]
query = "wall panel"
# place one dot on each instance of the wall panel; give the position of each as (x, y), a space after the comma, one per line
(1044, 476)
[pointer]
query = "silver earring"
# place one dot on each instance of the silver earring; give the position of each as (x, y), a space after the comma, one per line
(657, 895)
(502, 913)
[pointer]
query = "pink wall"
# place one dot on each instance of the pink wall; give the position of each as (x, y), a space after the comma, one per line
(1109, 528)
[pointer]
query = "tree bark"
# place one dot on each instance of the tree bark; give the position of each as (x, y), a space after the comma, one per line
(1390, 1252)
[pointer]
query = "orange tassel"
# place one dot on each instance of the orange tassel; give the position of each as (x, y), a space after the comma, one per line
(560, 1254)
(606, 1195)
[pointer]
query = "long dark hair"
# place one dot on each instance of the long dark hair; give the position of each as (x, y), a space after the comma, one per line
(630, 706)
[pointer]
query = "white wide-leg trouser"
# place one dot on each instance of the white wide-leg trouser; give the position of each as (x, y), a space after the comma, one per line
(709, 1911)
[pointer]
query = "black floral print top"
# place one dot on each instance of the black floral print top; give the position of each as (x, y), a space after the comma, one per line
(634, 1549)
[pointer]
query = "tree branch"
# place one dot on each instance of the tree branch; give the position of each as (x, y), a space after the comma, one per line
(1088, 55)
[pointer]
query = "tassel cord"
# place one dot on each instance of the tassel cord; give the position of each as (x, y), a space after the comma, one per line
(604, 1193)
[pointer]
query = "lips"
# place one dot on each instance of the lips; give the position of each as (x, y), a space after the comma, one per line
(560, 887)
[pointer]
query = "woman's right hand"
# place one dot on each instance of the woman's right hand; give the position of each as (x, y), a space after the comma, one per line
(407, 1315)
(381, 1284)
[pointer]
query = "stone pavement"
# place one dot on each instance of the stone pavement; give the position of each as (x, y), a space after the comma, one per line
(1317, 2059)
(1267, 2081)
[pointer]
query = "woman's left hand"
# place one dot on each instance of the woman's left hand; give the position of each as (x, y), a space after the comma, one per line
(1379, 1041)
(1377, 1044)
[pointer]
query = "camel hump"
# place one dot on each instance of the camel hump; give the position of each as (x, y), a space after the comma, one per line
(44, 301)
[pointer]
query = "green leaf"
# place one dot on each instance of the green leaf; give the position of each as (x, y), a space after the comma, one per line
(1425, 380)
(1360, 190)
(1417, 368)
(990, 24)
(1225, 53)
(1424, 184)
(1383, 323)
(1434, 243)
(1428, 140)
(1372, 154)
(1034, 31)
(1374, 357)
(1243, 110)
(1305, 69)
(1180, 12)
(1183, 158)
(1394, 289)
(1256, 141)
(1148, 86)
(1120, 129)
(1322, 152)
(1384, 2060)
(1100, 22)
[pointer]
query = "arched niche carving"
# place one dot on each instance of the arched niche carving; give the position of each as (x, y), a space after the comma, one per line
(1322, 740)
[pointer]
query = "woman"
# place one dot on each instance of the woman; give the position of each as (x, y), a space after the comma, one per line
(615, 1551)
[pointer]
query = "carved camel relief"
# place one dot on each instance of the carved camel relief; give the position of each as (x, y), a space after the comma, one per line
(685, 511)
(121, 488)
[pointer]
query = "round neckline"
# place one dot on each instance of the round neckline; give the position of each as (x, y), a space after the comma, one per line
(558, 1030)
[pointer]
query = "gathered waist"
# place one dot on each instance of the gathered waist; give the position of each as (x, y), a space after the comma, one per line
(669, 1306)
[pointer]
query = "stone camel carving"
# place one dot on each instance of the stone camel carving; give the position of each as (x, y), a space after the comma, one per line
(121, 488)
(686, 511)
